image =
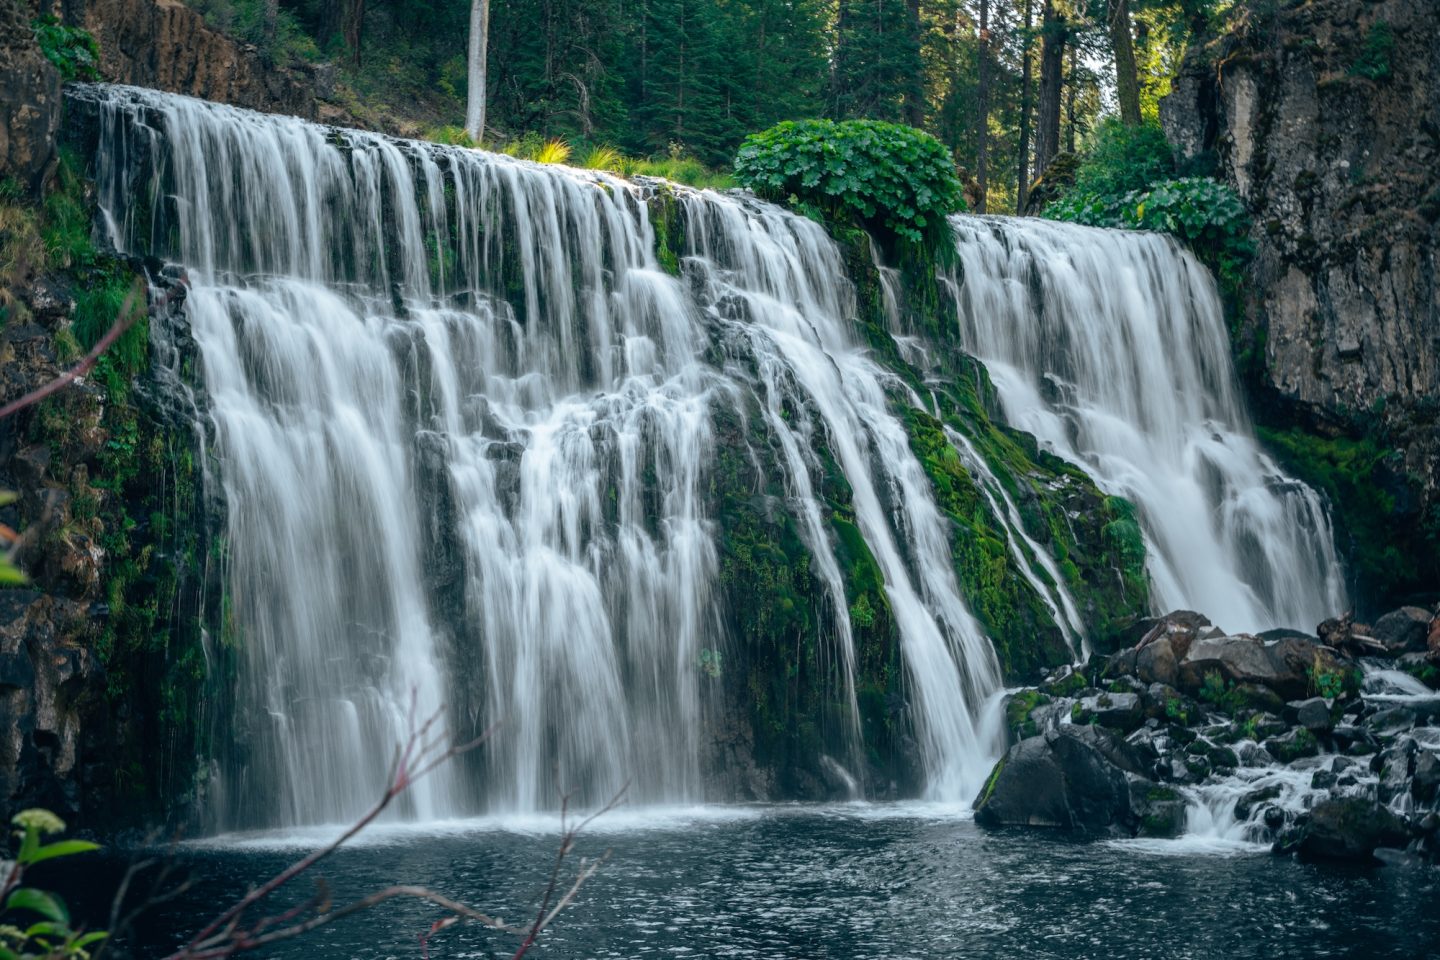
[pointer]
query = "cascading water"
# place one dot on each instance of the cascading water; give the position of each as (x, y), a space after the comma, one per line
(1110, 347)
(461, 420)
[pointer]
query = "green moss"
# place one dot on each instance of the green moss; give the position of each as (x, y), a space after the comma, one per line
(990, 782)
(1390, 548)
(668, 224)
(134, 496)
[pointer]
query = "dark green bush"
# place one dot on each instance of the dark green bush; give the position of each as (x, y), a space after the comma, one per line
(885, 177)
(72, 50)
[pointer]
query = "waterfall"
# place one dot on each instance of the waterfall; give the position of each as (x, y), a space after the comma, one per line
(1110, 347)
(461, 422)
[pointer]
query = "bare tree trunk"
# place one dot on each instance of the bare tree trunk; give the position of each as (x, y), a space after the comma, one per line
(475, 85)
(982, 119)
(1054, 32)
(1127, 82)
(1022, 192)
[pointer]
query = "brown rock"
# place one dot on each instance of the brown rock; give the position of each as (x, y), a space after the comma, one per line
(29, 100)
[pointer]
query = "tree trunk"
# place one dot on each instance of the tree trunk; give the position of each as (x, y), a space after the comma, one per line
(1022, 191)
(1070, 85)
(1127, 82)
(475, 86)
(1054, 32)
(272, 15)
(982, 119)
(914, 96)
(344, 19)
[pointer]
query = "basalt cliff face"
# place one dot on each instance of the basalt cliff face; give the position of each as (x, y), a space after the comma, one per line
(1325, 117)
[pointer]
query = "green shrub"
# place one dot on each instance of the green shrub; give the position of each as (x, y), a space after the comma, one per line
(891, 179)
(1376, 54)
(1205, 215)
(1124, 158)
(72, 50)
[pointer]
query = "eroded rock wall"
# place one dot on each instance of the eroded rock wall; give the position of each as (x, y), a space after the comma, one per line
(1325, 117)
(29, 100)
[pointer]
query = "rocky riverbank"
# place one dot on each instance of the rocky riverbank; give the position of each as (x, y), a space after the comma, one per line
(1325, 746)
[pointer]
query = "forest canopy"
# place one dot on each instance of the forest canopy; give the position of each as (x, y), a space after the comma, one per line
(1003, 85)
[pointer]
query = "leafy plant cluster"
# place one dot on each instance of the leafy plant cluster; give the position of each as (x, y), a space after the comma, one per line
(33, 922)
(73, 51)
(888, 178)
(1376, 53)
(1127, 180)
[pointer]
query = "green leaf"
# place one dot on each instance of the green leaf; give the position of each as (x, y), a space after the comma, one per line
(63, 848)
(38, 901)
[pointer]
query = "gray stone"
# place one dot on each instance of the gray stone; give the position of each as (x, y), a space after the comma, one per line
(1313, 714)
(1403, 631)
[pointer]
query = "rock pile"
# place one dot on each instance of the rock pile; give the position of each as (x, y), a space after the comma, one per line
(1328, 746)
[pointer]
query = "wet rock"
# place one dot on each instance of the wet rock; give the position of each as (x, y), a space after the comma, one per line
(1168, 705)
(1394, 767)
(1287, 666)
(1252, 696)
(1350, 829)
(1248, 803)
(1163, 642)
(1425, 780)
(1118, 711)
(1354, 740)
(1313, 714)
(1403, 631)
(1293, 746)
(1160, 809)
(1064, 779)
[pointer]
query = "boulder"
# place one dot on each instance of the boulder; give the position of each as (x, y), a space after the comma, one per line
(1161, 810)
(1348, 828)
(1164, 641)
(1403, 631)
(1313, 714)
(1426, 779)
(1293, 667)
(1292, 746)
(1065, 779)
(1119, 711)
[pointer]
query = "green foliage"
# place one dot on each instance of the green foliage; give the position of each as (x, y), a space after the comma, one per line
(73, 50)
(1122, 159)
(245, 20)
(1220, 692)
(1204, 214)
(65, 221)
(1331, 683)
(1376, 54)
(888, 178)
(51, 936)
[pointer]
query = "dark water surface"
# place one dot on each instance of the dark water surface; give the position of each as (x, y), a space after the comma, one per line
(842, 882)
